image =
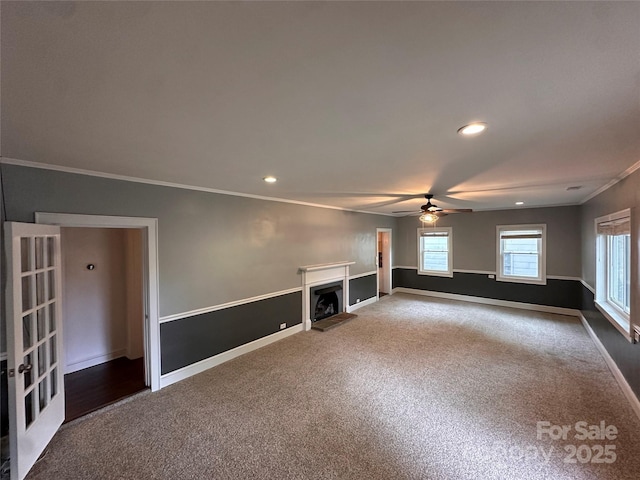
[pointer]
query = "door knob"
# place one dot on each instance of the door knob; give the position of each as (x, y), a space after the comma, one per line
(24, 368)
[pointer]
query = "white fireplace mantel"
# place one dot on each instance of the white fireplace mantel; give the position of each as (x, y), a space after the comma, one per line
(314, 275)
(325, 266)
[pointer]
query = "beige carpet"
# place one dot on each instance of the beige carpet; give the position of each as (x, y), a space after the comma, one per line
(414, 388)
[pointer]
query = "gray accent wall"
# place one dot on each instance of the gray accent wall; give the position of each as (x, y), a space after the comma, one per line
(189, 340)
(212, 248)
(624, 194)
(362, 288)
(556, 293)
(474, 238)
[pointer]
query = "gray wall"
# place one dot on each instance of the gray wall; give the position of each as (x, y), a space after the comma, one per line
(474, 238)
(213, 248)
(624, 194)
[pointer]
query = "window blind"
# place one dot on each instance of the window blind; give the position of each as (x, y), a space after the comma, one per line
(515, 235)
(619, 226)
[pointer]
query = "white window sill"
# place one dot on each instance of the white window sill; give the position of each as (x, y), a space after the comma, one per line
(531, 281)
(617, 320)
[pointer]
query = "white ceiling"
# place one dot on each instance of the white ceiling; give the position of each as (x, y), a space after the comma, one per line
(348, 104)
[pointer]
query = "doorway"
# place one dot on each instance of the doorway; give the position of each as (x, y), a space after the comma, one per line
(35, 337)
(384, 271)
(103, 317)
(148, 229)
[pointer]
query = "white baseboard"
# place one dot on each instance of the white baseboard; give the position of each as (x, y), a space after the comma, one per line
(490, 301)
(361, 304)
(198, 367)
(617, 374)
(93, 361)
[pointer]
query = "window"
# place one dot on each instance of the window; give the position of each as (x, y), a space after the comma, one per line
(613, 268)
(434, 251)
(521, 253)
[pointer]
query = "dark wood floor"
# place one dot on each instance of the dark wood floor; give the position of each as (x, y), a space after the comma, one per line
(96, 387)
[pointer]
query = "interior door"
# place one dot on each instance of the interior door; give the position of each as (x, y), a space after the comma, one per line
(384, 261)
(34, 341)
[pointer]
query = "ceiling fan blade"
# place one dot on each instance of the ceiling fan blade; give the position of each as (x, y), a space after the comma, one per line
(457, 210)
(407, 211)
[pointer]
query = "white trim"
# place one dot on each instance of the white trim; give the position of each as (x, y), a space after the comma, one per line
(149, 228)
(222, 306)
(314, 275)
(611, 183)
(324, 266)
(563, 277)
(479, 272)
(97, 360)
(542, 255)
(363, 303)
(195, 368)
(589, 287)
(489, 272)
(360, 275)
(126, 178)
(490, 301)
(616, 319)
(620, 319)
(436, 273)
(384, 274)
(617, 374)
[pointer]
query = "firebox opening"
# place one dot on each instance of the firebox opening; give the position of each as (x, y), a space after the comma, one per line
(326, 306)
(326, 301)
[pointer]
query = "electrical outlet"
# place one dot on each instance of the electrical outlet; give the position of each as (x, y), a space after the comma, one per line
(491, 276)
(283, 325)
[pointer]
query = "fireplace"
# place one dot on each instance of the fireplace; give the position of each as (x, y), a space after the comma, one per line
(325, 291)
(325, 301)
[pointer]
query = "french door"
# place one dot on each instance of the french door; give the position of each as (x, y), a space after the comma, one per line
(34, 341)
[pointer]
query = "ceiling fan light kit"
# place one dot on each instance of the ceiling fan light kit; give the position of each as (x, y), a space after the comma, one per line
(430, 213)
(428, 217)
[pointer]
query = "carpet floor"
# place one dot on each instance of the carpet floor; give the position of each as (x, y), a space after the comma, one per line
(414, 388)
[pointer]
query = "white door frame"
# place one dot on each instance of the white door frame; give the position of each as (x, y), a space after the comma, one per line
(386, 261)
(149, 228)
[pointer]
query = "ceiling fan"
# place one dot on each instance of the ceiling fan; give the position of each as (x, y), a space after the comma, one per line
(431, 212)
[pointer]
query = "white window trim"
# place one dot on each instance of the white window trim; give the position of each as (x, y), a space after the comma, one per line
(542, 273)
(437, 273)
(616, 316)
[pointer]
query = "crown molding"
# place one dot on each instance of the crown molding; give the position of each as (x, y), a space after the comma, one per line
(126, 178)
(612, 182)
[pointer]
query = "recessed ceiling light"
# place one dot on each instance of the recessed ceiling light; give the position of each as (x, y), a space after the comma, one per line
(472, 129)
(519, 203)
(270, 179)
